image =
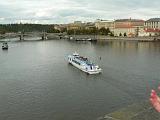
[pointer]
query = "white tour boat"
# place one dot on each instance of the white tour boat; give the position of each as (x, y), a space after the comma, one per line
(83, 64)
(5, 46)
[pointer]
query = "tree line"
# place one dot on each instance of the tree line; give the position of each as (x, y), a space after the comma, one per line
(4, 28)
(91, 31)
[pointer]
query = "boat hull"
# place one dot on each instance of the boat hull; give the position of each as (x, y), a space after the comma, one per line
(4, 48)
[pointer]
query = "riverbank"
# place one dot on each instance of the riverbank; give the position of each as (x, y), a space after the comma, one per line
(80, 37)
(140, 111)
(109, 38)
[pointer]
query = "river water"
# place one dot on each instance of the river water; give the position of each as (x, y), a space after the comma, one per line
(37, 83)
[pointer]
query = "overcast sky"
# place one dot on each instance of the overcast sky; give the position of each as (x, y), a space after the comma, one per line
(66, 11)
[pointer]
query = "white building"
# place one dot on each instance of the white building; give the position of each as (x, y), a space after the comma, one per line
(105, 24)
(152, 26)
(129, 27)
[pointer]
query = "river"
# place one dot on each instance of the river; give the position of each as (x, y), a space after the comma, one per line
(37, 83)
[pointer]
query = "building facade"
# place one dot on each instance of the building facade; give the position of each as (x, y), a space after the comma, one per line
(75, 26)
(60, 27)
(89, 25)
(152, 26)
(128, 27)
(105, 24)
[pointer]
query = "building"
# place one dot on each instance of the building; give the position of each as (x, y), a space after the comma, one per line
(105, 24)
(60, 27)
(128, 27)
(152, 26)
(78, 25)
(75, 26)
(78, 22)
(89, 25)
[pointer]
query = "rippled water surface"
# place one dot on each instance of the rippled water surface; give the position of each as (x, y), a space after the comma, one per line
(37, 83)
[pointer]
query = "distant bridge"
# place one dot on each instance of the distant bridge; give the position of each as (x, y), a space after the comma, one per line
(42, 35)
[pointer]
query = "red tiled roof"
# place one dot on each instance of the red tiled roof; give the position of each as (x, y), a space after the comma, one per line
(152, 30)
(129, 20)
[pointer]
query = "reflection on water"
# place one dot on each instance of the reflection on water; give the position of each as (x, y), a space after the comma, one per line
(135, 46)
(37, 83)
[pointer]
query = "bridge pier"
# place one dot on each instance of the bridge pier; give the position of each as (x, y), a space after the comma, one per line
(44, 36)
(21, 37)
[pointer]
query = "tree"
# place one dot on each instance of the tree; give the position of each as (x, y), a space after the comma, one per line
(112, 34)
(64, 30)
(104, 31)
(150, 35)
(108, 31)
(90, 31)
(120, 34)
(125, 34)
(70, 32)
(2, 32)
(26, 27)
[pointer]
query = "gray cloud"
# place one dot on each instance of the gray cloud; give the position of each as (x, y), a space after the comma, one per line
(64, 11)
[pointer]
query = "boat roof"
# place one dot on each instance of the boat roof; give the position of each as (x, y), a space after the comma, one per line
(85, 60)
(75, 54)
(82, 58)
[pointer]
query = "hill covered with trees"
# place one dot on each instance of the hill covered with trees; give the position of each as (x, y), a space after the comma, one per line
(26, 28)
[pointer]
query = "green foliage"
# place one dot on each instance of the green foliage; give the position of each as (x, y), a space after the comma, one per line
(2, 32)
(104, 31)
(125, 34)
(91, 31)
(27, 28)
(111, 34)
(150, 35)
(64, 30)
(50, 29)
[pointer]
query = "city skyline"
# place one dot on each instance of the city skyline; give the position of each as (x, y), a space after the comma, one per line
(67, 11)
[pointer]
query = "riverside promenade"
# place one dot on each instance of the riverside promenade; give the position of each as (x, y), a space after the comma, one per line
(108, 38)
(141, 39)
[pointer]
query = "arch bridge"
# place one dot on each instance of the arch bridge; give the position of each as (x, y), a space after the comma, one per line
(42, 35)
